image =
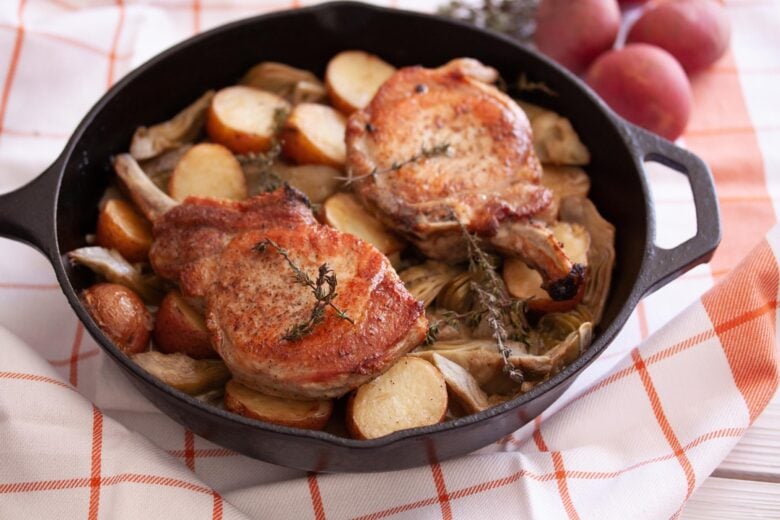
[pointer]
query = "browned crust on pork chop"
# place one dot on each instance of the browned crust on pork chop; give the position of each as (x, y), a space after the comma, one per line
(254, 302)
(488, 182)
(490, 173)
(201, 227)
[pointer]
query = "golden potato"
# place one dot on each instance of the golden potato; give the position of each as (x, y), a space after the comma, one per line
(180, 328)
(412, 393)
(208, 170)
(343, 212)
(311, 415)
(121, 314)
(353, 77)
(191, 376)
(245, 119)
(121, 228)
(314, 134)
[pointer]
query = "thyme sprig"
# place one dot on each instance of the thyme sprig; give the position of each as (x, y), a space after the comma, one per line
(323, 288)
(439, 150)
(515, 18)
(494, 303)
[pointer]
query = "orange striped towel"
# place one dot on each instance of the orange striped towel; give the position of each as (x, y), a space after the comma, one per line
(635, 435)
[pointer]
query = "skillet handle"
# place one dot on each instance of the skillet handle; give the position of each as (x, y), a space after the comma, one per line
(27, 214)
(664, 265)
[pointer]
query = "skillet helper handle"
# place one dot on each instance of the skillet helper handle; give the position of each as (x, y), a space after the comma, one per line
(27, 214)
(664, 265)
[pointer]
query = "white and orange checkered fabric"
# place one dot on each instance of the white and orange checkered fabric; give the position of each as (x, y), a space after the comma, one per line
(633, 438)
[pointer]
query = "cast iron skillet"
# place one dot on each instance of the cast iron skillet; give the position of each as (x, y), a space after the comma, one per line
(55, 211)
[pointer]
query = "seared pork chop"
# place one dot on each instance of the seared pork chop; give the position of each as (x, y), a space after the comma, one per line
(252, 298)
(488, 181)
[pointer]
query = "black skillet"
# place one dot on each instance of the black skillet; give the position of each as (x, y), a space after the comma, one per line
(55, 211)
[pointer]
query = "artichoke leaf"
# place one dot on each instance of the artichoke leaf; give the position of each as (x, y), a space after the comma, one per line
(183, 128)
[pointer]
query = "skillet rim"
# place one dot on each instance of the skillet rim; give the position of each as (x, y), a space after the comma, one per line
(601, 342)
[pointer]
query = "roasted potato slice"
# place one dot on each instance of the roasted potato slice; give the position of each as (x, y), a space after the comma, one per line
(245, 119)
(311, 415)
(191, 376)
(208, 170)
(575, 239)
(343, 212)
(353, 77)
(121, 314)
(120, 227)
(317, 181)
(181, 328)
(412, 393)
(314, 134)
(522, 281)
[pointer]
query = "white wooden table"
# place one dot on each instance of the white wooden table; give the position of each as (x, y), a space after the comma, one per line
(747, 483)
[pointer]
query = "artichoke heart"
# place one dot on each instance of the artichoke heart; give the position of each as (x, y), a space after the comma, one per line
(601, 254)
(295, 85)
(183, 128)
(425, 281)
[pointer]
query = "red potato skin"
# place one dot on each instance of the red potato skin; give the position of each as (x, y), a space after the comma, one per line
(696, 32)
(646, 86)
(121, 314)
(574, 33)
(174, 332)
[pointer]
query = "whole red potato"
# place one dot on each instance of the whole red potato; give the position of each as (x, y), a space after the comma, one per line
(696, 32)
(574, 33)
(645, 85)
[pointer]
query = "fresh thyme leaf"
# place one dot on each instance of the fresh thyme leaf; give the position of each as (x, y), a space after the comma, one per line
(323, 288)
(439, 150)
(515, 18)
(494, 303)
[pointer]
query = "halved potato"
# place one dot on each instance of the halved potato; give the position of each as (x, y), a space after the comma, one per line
(461, 384)
(120, 227)
(575, 239)
(314, 134)
(317, 181)
(181, 328)
(411, 394)
(245, 119)
(191, 376)
(208, 170)
(121, 314)
(311, 415)
(343, 212)
(353, 77)
(522, 281)
(526, 283)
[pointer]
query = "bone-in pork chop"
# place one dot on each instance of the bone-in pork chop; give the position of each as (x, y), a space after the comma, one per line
(440, 149)
(253, 300)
